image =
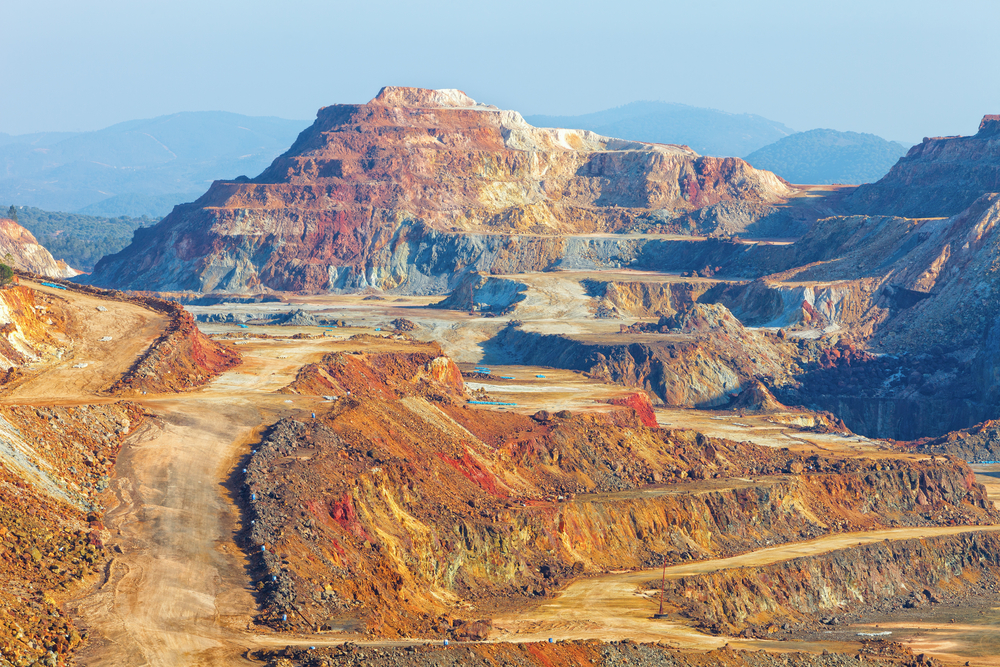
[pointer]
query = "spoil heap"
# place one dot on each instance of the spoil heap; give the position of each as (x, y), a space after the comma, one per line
(401, 511)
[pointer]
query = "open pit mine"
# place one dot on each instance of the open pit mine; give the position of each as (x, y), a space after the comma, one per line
(442, 388)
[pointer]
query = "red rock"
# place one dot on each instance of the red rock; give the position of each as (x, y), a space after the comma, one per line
(372, 183)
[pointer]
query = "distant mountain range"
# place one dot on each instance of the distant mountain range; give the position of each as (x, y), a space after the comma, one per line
(707, 131)
(829, 156)
(139, 167)
(145, 167)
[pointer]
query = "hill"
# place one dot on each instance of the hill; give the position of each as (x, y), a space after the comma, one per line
(139, 167)
(706, 131)
(363, 196)
(828, 156)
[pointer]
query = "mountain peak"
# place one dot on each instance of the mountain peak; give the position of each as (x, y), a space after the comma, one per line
(401, 96)
(990, 125)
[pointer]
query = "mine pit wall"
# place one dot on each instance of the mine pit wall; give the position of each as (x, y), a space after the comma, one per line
(690, 373)
(905, 418)
(871, 579)
(589, 652)
(634, 299)
(390, 569)
(412, 258)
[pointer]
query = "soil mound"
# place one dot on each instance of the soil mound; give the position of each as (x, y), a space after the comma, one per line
(757, 398)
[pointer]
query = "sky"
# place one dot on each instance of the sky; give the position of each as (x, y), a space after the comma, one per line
(900, 69)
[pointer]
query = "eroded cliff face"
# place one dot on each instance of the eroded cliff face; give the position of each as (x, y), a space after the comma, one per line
(20, 250)
(330, 212)
(938, 177)
(701, 357)
(909, 573)
(400, 506)
(31, 328)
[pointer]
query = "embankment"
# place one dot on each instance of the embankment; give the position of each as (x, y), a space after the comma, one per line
(857, 582)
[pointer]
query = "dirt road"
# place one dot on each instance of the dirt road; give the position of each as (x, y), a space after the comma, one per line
(610, 607)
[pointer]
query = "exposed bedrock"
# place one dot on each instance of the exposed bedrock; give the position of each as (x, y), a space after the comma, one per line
(979, 443)
(701, 366)
(334, 212)
(400, 505)
(938, 177)
(875, 578)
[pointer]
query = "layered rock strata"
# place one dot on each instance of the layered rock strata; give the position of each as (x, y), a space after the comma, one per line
(20, 250)
(400, 506)
(337, 210)
(939, 177)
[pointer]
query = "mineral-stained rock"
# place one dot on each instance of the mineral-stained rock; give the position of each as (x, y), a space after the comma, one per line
(20, 250)
(398, 499)
(371, 193)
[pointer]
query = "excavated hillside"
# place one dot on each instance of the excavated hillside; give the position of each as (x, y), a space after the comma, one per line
(60, 438)
(843, 586)
(401, 510)
(938, 177)
(55, 463)
(700, 357)
(874, 653)
(20, 250)
(398, 191)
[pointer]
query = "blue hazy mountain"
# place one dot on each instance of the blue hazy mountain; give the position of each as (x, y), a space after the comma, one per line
(139, 167)
(829, 156)
(707, 131)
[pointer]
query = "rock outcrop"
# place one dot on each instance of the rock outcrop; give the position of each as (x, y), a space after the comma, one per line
(938, 177)
(398, 506)
(20, 250)
(337, 210)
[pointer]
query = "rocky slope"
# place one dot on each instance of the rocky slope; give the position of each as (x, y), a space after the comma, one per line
(699, 357)
(399, 509)
(20, 250)
(940, 176)
(979, 443)
(910, 573)
(31, 328)
(593, 652)
(337, 210)
(55, 463)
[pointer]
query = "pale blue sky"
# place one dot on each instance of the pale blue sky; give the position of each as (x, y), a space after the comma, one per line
(900, 69)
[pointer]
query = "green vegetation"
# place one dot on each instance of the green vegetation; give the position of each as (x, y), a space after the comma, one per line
(78, 239)
(828, 156)
(6, 274)
(12, 213)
